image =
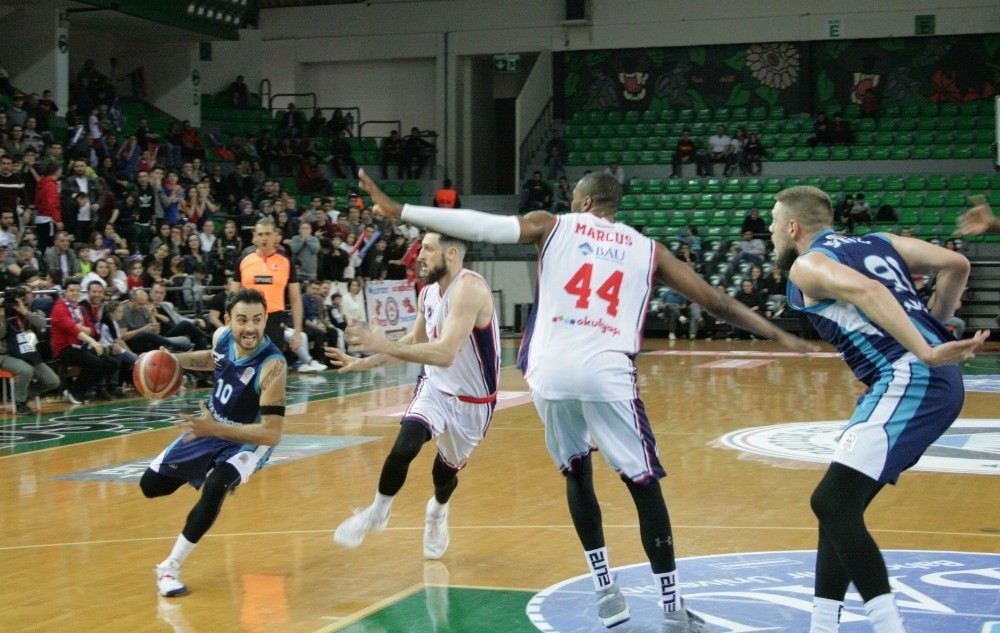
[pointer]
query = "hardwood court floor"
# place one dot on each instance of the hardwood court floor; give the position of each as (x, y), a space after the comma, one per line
(77, 554)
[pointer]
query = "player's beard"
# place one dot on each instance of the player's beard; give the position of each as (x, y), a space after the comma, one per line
(787, 258)
(436, 273)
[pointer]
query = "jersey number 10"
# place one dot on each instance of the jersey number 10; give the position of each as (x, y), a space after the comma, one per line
(223, 392)
(580, 283)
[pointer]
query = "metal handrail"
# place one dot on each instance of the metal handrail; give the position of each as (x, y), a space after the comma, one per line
(536, 138)
(355, 109)
(398, 124)
(270, 101)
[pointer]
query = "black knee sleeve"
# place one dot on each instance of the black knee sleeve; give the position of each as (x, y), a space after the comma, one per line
(412, 436)
(583, 505)
(222, 480)
(153, 484)
(654, 525)
(445, 480)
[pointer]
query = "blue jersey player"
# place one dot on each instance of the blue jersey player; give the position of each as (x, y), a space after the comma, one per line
(232, 437)
(858, 293)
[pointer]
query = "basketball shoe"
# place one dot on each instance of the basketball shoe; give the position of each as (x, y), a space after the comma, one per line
(683, 621)
(353, 530)
(612, 608)
(168, 580)
(435, 531)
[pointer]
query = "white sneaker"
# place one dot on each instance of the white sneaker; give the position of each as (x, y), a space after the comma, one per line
(673, 337)
(612, 609)
(71, 398)
(307, 368)
(318, 366)
(435, 532)
(353, 531)
(684, 622)
(168, 581)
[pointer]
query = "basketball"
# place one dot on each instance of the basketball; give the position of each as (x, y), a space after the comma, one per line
(157, 374)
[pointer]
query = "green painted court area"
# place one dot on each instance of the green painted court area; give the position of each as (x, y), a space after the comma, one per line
(451, 610)
(982, 364)
(87, 423)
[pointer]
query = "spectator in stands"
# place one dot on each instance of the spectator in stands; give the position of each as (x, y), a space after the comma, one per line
(773, 288)
(291, 124)
(886, 213)
(535, 194)
(392, 153)
(310, 179)
(615, 171)
(753, 155)
(15, 145)
(10, 236)
(394, 253)
(749, 249)
(555, 154)
(870, 104)
(61, 257)
(316, 321)
(317, 124)
(74, 343)
(822, 131)
(304, 250)
(337, 124)
(12, 194)
(172, 324)
(684, 152)
(752, 299)
(418, 152)
(672, 308)
(842, 212)
(842, 133)
(563, 196)
(341, 155)
(689, 235)
(719, 146)
(109, 384)
(755, 224)
(860, 213)
(238, 93)
(19, 349)
(446, 196)
(688, 256)
(734, 161)
(353, 303)
(16, 114)
(141, 328)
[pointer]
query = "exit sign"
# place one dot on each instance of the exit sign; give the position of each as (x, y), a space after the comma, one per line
(923, 25)
(507, 63)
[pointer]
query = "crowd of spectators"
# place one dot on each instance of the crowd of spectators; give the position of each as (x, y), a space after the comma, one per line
(740, 154)
(126, 243)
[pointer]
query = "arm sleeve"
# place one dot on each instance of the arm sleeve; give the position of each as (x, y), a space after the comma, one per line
(473, 226)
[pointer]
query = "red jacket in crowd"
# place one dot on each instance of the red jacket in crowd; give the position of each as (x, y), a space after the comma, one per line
(47, 198)
(65, 331)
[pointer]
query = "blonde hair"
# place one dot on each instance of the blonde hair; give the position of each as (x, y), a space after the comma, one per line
(809, 205)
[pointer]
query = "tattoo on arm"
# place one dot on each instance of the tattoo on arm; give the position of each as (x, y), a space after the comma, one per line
(272, 383)
(197, 361)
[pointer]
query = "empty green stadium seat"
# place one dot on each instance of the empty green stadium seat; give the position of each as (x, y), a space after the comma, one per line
(654, 218)
(930, 217)
(752, 185)
(963, 151)
(667, 201)
(629, 202)
(678, 219)
(711, 185)
(854, 183)
(801, 153)
(860, 153)
(913, 199)
(596, 116)
(893, 198)
(895, 183)
(979, 182)
(958, 182)
(747, 201)
(874, 183)
(692, 185)
(908, 216)
(706, 202)
(832, 184)
(840, 152)
(732, 185)
(921, 152)
(781, 154)
(793, 181)
(936, 183)
(647, 201)
(772, 185)
(814, 181)
(632, 116)
(673, 185)
(900, 153)
(915, 183)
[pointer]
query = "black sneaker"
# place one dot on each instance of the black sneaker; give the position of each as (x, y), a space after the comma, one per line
(22, 408)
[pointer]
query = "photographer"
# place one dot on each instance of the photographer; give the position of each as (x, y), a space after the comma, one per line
(19, 329)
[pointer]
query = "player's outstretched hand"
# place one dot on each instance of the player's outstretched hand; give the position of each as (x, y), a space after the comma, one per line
(977, 220)
(363, 339)
(389, 207)
(795, 344)
(956, 351)
(343, 361)
(199, 425)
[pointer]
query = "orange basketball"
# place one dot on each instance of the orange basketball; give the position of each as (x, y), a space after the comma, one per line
(157, 374)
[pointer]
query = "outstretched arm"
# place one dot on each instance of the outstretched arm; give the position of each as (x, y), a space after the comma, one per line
(978, 220)
(819, 277)
(682, 278)
(473, 226)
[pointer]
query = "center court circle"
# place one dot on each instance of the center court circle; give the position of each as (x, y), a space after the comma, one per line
(772, 591)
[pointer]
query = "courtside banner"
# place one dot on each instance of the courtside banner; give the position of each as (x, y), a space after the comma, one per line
(391, 306)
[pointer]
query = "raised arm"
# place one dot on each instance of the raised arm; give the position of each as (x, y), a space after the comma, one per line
(683, 278)
(951, 271)
(819, 277)
(473, 226)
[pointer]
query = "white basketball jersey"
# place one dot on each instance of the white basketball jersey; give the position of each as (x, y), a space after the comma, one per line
(477, 367)
(594, 281)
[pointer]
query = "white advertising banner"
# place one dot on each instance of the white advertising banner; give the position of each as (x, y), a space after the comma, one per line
(391, 306)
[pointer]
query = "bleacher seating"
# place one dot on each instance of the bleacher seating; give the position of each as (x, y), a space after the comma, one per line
(929, 131)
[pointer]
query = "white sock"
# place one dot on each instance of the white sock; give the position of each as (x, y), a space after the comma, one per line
(825, 615)
(884, 615)
(436, 507)
(666, 584)
(182, 548)
(600, 571)
(382, 504)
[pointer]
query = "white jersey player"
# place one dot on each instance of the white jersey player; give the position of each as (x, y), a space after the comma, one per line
(594, 279)
(457, 338)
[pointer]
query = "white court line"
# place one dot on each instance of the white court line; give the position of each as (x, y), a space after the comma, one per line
(620, 526)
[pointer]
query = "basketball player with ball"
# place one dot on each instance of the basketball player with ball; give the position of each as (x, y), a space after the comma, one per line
(231, 437)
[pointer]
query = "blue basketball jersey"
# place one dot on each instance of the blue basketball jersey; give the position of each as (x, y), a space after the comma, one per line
(867, 348)
(236, 398)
